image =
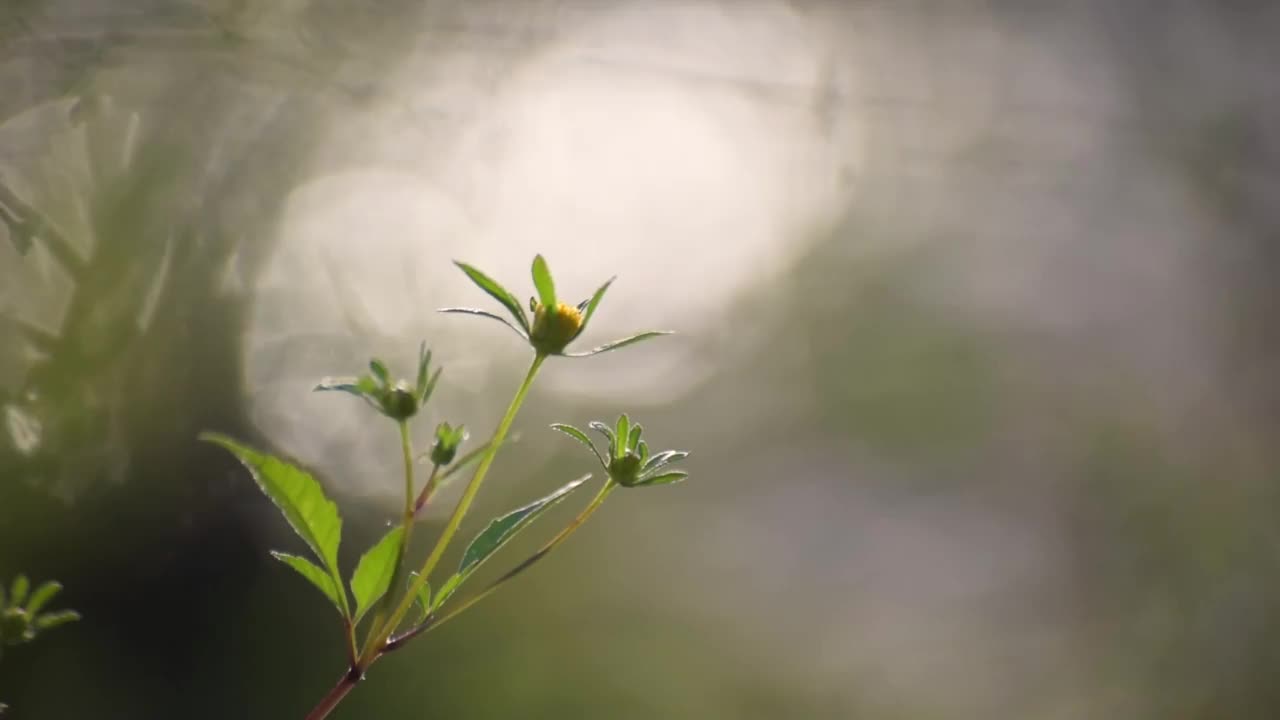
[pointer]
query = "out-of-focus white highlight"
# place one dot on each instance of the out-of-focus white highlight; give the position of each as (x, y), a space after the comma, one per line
(630, 146)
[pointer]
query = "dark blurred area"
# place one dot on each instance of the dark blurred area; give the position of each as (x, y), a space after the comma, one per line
(979, 319)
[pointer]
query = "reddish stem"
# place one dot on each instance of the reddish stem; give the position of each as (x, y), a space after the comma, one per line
(346, 684)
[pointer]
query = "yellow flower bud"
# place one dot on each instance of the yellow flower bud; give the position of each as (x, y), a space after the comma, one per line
(553, 330)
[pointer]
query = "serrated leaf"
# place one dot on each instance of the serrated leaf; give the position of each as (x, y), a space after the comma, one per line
(374, 571)
(54, 619)
(18, 590)
(663, 479)
(502, 529)
(42, 596)
(497, 292)
(666, 457)
(317, 576)
(581, 437)
(485, 313)
(423, 599)
(543, 282)
(311, 514)
(621, 343)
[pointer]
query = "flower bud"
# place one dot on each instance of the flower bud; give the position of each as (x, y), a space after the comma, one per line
(15, 626)
(445, 447)
(625, 470)
(399, 402)
(554, 328)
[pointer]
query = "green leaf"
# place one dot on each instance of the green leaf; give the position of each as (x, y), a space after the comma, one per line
(446, 590)
(54, 619)
(42, 596)
(374, 571)
(543, 282)
(486, 313)
(18, 590)
(317, 576)
(581, 437)
(664, 479)
(500, 530)
(379, 370)
(642, 449)
(363, 386)
(312, 515)
(607, 432)
(588, 308)
(666, 457)
(424, 393)
(424, 363)
(423, 599)
(497, 292)
(621, 430)
(620, 343)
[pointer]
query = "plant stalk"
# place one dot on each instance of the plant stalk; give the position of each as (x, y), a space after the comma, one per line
(455, 520)
(331, 699)
(434, 622)
(406, 522)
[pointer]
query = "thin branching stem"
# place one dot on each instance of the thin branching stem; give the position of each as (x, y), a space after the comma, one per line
(459, 512)
(433, 622)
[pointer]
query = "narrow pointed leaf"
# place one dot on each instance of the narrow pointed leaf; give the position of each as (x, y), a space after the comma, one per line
(51, 620)
(633, 439)
(379, 370)
(581, 437)
(361, 386)
(663, 479)
(424, 363)
(424, 392)
(18, 590)
(486, 313)
(666, 457)
(502, 529)
(446, 590)
(642, 449)
(317, 576)
(423, 599)
(312, 515)
(373, 572)
(607, 432)
(497, 292)
(543, 282)
(621, 343)
(42, 596)
(594, 302)
(621, 431)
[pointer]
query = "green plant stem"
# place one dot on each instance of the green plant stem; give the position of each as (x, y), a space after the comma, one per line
(406, 522)
(455, 520)
(434, 622)
(428, 490)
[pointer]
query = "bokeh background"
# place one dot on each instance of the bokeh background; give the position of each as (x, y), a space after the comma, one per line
(977, 310)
